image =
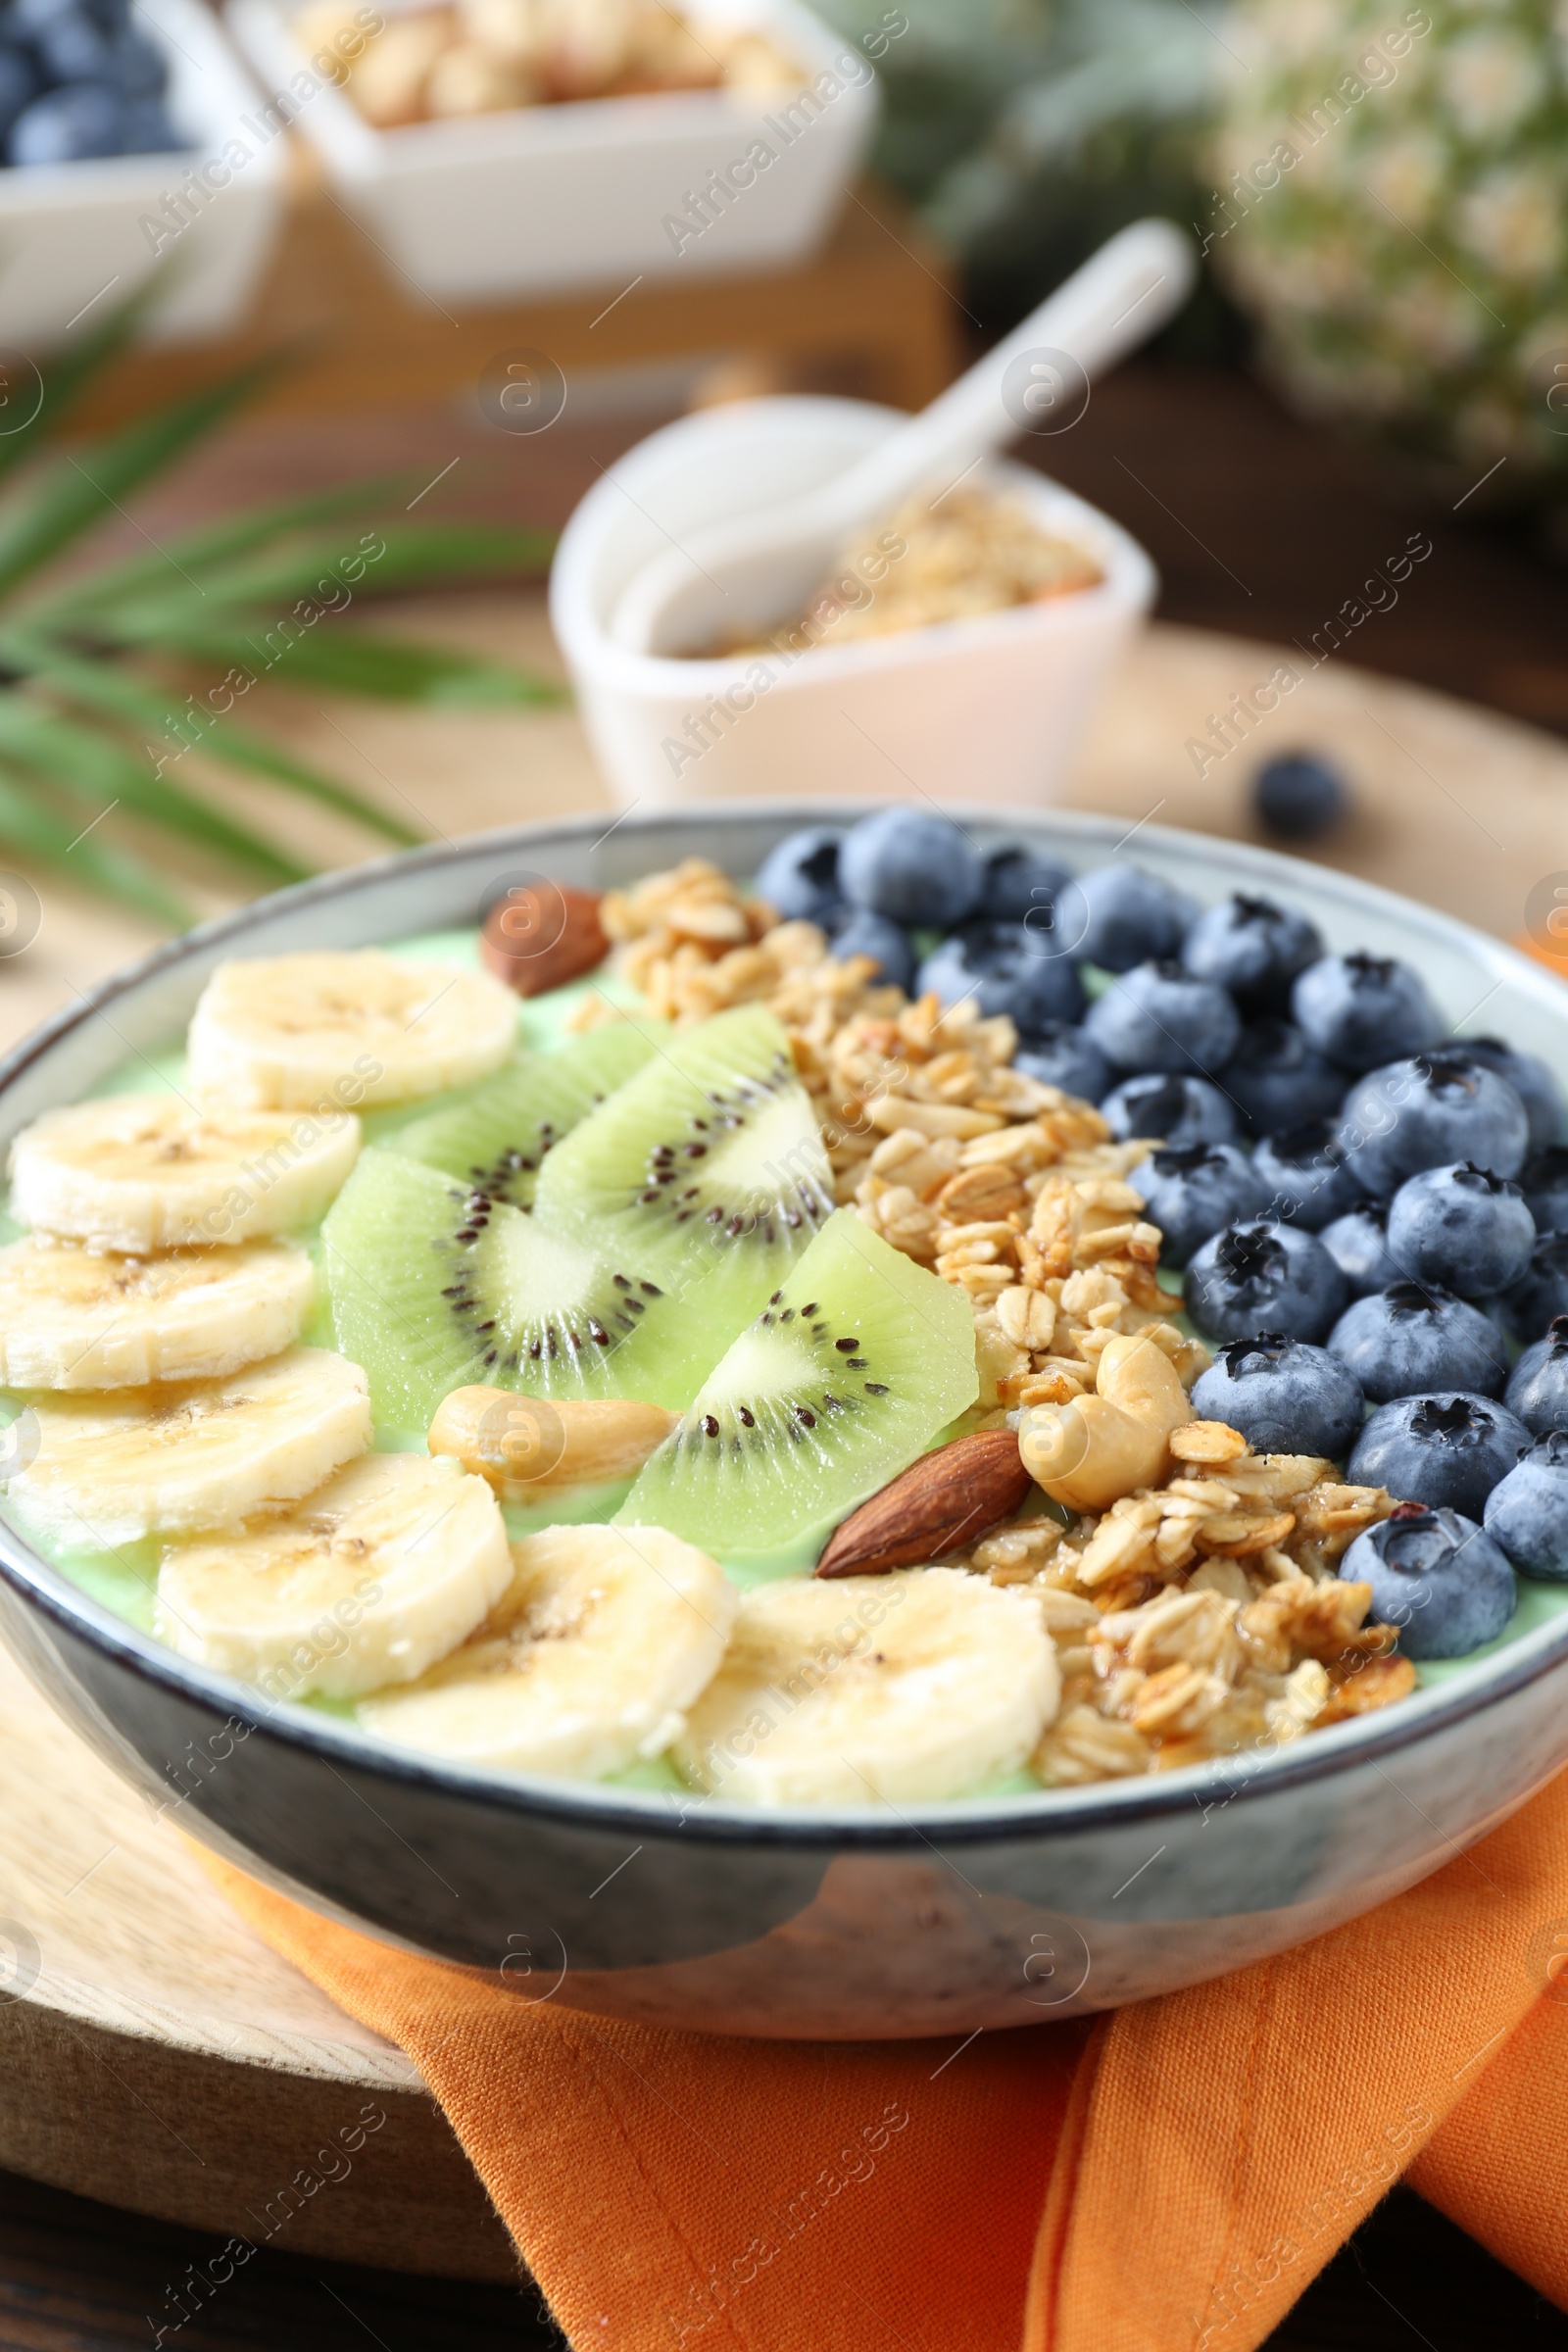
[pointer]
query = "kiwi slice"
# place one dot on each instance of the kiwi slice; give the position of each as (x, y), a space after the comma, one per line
(497, 1136)
(433, 1285)
(848, 1372)
(708, 1166)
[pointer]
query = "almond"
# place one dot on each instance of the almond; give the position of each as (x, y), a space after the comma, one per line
(543, 934)
(943, 1501)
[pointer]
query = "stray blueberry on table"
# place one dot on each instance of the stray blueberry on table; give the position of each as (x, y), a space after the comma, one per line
(1448, 1449)
(1436, 1575)
(1300, 795)
(1284, 1396)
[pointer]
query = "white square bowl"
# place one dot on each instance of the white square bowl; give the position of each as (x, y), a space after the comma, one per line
(989, 708)
(554, 199)
(77, 239)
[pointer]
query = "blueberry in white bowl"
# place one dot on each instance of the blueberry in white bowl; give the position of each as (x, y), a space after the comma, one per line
(1532, 1081)
(800, 877)
(1192, 1190)
(1406, 1340)
(1158, 1018)
(911, 867)
(1063, 1053)
(1538, 1384)
(1543, 1181)
(1541, 1295)
(1264, 1276)
(1019, 883)
(1254, 948)
(1527, 1512)
(1118, 916)
(1461, 1227)
(1437, 1576)
(1358, 1244)
(1285, 1396)
(1361, 1011)
(1447, 1448)
(1276, 1079)
(999, 968)
(866, 934)
(1175, 1109)
(1429, 1111)
(1306, 1175)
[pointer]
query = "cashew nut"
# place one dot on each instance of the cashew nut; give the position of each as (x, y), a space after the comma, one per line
(524, 1445)
(1087, 1454)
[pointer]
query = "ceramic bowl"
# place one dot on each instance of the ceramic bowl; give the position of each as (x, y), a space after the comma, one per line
(866, 1923)
(991, 709)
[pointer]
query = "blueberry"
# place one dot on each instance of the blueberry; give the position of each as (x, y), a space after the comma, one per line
(1449, 1449)
(1358, 1244)
(1462, 1227)
(1437, 1576)
(800, 877)
(148, 129)
(1253, 948)
(997, 966)
(1543, 1181)
(1404, 1341)
(1538, 1384)
(1283, 1396)
(910, 867)
(1158, 1018)
(1276, 1079)
(1427, 1113)
(1192, 1190)
(1363, 1010)
(1019, 883)
(1300, 795)
(1306, 1175)
(1169, 1109)
(139, 69)
(1527, 1512)
(1120, 915)
(1541, 1294)
(1532, 1081)
(19, 86)
(1265, 1277)
(68, 126)
(73, 46)
(873, 935)
(1061, 1054)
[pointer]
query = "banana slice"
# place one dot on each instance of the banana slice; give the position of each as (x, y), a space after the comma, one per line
(150, 1172)
(75, 1318)
(367, 1581)
(199, 1458)
(604, 1637)
(924, 1683)
(279, 1032)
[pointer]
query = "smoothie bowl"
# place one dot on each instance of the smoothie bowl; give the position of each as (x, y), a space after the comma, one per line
(736, 1483)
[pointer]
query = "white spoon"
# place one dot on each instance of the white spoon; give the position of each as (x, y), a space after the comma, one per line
(746, 573)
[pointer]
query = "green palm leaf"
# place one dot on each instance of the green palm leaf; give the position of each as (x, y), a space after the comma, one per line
(88, 731)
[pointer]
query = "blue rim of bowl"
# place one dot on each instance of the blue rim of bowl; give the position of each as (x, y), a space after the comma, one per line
(964, 1821)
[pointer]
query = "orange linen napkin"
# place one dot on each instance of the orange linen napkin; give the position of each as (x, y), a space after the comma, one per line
(1162, 2179)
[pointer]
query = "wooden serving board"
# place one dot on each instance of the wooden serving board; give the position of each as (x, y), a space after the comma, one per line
(153, 2051)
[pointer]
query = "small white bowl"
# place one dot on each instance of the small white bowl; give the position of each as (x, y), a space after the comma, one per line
(989, 709)
(75, 238)
(545, 199)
